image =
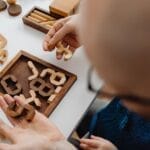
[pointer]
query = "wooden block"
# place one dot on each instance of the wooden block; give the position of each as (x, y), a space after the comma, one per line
(14, 87)
(64, 7)
(3, 41)
(44, 89)
(3, 56)
(66, 52)
(40, 19)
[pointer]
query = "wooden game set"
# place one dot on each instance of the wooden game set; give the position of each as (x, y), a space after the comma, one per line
(43, 20)
(14, 9)
(40, 84)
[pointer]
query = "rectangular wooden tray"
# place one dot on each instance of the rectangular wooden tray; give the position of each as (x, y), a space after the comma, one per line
(40, 24)
(18, 67)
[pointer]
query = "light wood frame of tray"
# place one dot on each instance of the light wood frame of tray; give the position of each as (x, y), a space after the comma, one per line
(20, 62)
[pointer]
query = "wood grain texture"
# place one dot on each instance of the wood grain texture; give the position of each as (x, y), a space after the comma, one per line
(64, 7)
(40, 19)
(18, 67)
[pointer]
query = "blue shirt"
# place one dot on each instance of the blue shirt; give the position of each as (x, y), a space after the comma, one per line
(125, 129)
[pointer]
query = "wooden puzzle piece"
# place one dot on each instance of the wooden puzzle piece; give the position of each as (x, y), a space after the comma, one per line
(10, 85)
(43, 88)
(10, 2)
(3, 41)
(3, 5)
(58, 89)
(44, 15)
(14, 110)
(30, 112)
(3, 56)
(14, 9)
(34, 71)
(56, 78)
(33, 99)
(41, 18)
(53, 96)
(26, 111)
(64, 7)
(66, 52)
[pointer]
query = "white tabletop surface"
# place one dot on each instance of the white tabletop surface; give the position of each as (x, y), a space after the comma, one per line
(22, 37)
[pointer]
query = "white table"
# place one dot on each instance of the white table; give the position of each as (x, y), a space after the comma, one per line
(20, 36)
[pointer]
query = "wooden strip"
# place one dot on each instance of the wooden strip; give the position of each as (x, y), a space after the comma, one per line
(44, 15)
(49, 26)
(48, 23)
(33, 19)
(44, 23)
(38, 17)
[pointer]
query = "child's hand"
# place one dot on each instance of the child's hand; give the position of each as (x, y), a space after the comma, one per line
(64, 30)
(96, 143)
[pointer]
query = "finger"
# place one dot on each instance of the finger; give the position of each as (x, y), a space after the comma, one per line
(59, 35)
(86, 147)
(58, 25)
(90, 142)
(20, 100)
(59, 56)
(46, 46)
(8, 99)
(96, 138)
(48, 37)
(7, 147)
(3, 104)
(6, 131)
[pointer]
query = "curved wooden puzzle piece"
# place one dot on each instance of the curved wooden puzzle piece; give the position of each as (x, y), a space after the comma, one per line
(34, 71)
(3, 56)
(43, 88)
(26, 111)
(66, 52)
(3, 41)
(10, 85)
(33, 99)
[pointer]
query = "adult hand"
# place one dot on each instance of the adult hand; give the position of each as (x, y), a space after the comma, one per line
(65, 31)
(40, 124)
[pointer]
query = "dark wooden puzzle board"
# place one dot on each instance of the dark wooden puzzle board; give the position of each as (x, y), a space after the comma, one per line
(19, 68)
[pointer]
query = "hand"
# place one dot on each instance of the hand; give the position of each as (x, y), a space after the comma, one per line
(64, 30)
(29, 139)
(22, 139)
(40, 124)
(96, 143)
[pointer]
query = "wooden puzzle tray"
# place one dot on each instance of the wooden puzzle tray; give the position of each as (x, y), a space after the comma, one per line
(40, 19)
(42, 84)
